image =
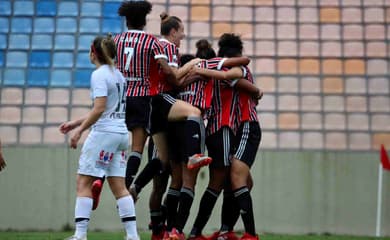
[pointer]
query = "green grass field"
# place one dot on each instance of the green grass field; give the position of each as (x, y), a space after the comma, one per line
(146, 236)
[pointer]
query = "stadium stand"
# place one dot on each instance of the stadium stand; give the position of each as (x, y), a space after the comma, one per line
(322, 64)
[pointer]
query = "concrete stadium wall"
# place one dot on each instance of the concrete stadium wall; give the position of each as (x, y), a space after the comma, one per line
(294, 192)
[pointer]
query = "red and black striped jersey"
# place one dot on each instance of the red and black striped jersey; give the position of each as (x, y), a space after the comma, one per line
(135, 52)
(172, 53)
(200, 93)
(223, 108)
(246, 109)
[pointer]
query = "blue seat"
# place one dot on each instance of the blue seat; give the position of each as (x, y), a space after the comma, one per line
(21, 25)
(63, 59)
(91, 9)
(61, 78)
(66, 25)
(64, 42)
(19, 41)
(16, 59)
(82, 78)
(4, 25)
(44, 25)
(38, 77)
(40, 59)
(23, 8)
(83, 60)
(5, 8)
(85, 41)
(14, 77)
(3, 41)
(110, 9)
(68, 9)
(1, 59)
(46, 8)
(41, 41)
(89, 25)
(112, 25)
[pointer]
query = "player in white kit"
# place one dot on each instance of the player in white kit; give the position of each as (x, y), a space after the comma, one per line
(104, 151)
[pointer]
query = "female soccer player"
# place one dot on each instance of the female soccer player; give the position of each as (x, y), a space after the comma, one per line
(104, 150)
(237, 200)
(198, 93)
(220, 132)
(139, 55)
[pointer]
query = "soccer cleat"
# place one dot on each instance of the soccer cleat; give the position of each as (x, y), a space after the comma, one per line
(228, 236)
(199, 237)
(97, 187)
(214, 236)
(176, 235)
(76, 238)
(198, 160)
(159, 236)
(247, 236)
(133, 193)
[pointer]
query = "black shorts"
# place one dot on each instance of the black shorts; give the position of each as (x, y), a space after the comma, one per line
(161, 105)
(176, 142)
(247, 142)
(138, 111)
(220, 147)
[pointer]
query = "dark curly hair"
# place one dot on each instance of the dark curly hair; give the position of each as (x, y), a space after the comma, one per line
(230, 45)
(135, 13)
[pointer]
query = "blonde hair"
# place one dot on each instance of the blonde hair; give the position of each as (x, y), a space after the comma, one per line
(105, 49)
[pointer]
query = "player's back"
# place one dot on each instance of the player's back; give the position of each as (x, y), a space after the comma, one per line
(135, 51)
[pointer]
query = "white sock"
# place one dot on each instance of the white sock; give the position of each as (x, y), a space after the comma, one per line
(126, 211)
(82, 213)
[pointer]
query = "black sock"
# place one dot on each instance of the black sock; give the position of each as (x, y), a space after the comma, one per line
(173, 197)
(194, 135)
(164, 211)
(146, 175)
(206, 206)
(155, 221)
(133, 163)
(186, 199)
(229, 210)
(244, 201)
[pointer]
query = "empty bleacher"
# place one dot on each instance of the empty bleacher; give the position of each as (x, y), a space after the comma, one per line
(323, 65)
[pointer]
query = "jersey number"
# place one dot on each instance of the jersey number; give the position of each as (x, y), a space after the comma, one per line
(121, 107)
(129, 52)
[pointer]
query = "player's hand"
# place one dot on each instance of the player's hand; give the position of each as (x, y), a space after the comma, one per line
(75, 139)
(2, 162)
(195, 61)
(66, 127)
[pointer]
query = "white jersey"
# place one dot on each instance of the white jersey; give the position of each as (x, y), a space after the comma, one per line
(107, 81)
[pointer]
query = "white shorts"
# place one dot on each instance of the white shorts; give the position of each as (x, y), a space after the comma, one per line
(104, 154)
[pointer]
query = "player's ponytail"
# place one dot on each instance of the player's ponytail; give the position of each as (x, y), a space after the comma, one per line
(204, 49)
(109, 49)
(104, 49)
(168, 23)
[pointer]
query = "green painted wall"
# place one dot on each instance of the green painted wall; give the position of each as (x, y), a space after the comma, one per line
(294, 192)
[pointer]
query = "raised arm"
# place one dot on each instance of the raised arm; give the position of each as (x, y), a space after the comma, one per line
(185, 69)
(236, 61)
(232, 73)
